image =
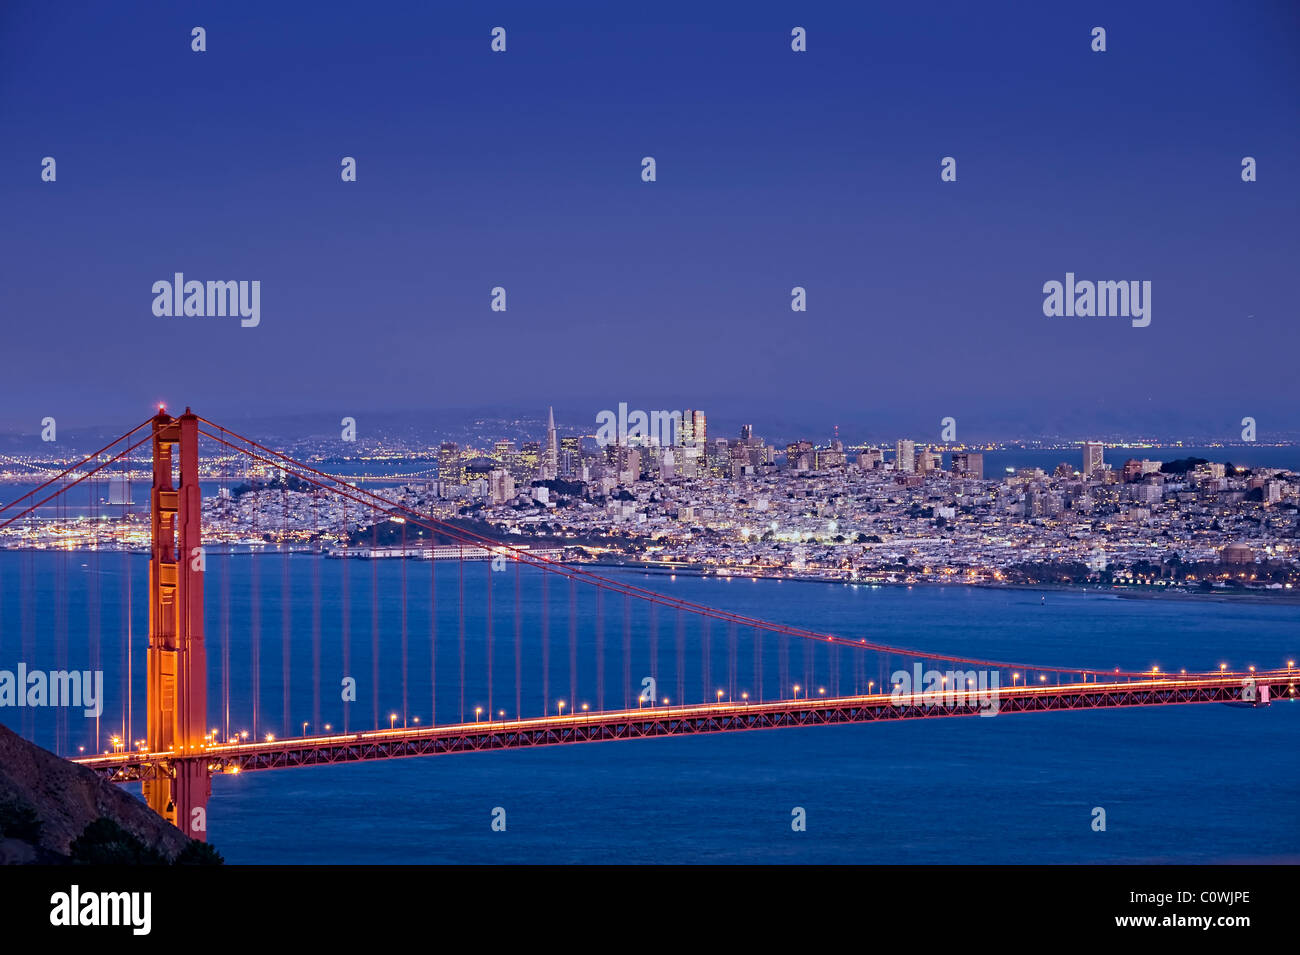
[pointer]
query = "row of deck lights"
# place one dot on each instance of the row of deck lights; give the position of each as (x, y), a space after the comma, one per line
(212, 737)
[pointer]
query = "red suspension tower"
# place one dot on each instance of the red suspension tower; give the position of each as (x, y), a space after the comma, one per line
(177, 698)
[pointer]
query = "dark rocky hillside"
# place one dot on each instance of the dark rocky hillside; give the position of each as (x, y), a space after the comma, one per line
(46, 803)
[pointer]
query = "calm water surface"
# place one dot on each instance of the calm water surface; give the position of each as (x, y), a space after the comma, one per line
(1184, 784)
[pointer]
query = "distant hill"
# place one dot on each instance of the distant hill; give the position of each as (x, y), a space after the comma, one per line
(48, 803)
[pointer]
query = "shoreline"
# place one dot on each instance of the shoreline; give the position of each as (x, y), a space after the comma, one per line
(1125, 593)
(1119, 592)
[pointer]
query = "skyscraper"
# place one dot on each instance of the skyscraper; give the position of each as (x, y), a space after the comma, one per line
(550, 468)
(450, 466)
(501, 486)
(905, 456)
(1092, 458)
(530, 459)
(570, 455)
(504, 452)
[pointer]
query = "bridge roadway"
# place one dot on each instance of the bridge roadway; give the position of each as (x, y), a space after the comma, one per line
(685, 720)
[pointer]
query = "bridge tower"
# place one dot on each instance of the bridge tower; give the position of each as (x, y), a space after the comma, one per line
(177, 698)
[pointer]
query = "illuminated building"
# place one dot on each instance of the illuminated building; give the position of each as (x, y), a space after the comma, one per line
(1092, 458)
(905, 456)
(968, 464)
(450, 466)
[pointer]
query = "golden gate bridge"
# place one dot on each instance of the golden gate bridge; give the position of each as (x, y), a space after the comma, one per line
(506, 653)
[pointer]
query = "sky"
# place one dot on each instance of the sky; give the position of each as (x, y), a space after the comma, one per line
(775, 169)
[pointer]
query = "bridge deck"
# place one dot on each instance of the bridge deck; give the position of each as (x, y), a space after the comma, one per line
(686, 720)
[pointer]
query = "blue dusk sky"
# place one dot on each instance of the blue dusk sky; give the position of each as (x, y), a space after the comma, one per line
(775, 169)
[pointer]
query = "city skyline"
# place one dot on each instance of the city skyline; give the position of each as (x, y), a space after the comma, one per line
(648, 493)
